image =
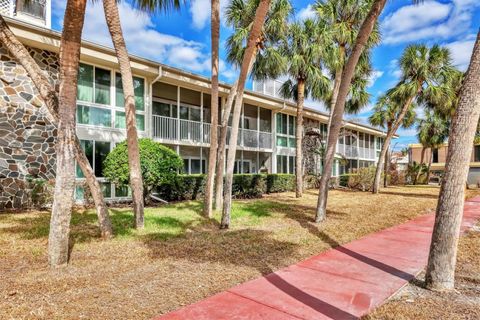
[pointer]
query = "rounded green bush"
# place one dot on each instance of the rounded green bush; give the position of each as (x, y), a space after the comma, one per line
(159, 164)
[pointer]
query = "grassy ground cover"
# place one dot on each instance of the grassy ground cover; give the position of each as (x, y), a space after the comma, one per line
(180, 257)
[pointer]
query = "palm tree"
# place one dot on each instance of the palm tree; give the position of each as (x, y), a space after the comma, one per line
(303, 58)
(248, 57)
(112, 17)
(440, 273)
(425, 72)
(432, 131)
(385, 113)
(341, 20)
(212, 157)
(361, 42)
(267, 61)
(58, 237)
(50, 97)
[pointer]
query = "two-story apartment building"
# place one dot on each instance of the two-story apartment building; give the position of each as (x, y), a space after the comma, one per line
(173, 108)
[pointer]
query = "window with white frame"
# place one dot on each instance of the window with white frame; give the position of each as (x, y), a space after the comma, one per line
(194, 165)
(285, 164)
(285, 132)
(242, 166)
(100, 98)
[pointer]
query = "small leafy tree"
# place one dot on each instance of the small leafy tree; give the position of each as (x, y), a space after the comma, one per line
(159, 164)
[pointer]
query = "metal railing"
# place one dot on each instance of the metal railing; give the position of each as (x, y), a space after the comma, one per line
(176, 130)
(350, 151)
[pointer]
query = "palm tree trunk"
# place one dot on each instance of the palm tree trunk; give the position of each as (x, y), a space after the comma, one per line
(223, 138)
(58, 244)
(248, 57)
(443, 249)
(336, 87)
(385, 169)
(386, 144)
(212, 157)
(337, 116)
(50, 98)
(136, 184)
(298, 139)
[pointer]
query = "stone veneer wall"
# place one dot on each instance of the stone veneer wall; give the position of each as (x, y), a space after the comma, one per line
(27, 132)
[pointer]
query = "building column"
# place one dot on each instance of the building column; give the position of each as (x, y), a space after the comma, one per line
(178, 113)
(274, 142)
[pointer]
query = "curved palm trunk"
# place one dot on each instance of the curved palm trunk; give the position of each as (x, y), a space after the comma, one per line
(336, 87)
(58, 236)
(212, 156)
(386, 144)
(248, 57)
(337, 116)
(298, 139)
(49, 96)
(443, 249)
(113, 22)
(385, 169)
(222, 145)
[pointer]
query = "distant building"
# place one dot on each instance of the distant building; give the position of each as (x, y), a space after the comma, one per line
(439, 157)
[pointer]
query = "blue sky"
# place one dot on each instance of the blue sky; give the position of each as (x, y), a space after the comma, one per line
(182, 38)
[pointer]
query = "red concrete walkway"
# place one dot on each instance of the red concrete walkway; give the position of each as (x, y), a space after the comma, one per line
(342, 283)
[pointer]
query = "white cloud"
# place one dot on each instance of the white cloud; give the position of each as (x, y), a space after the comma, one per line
(141, 37)
(461, 52)
(200, 10)
(376, 74)
(306, 13)
(430, 19)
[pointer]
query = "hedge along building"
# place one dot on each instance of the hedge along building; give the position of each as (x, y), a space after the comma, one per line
(173, 108)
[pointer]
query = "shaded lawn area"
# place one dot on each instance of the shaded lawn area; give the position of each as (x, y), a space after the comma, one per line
(180, 257)
(414, 302)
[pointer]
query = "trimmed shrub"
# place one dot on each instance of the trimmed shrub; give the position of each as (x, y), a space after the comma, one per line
(280, 183)
(159, 164)
(245, 186)
(344, 178)
(362, 179)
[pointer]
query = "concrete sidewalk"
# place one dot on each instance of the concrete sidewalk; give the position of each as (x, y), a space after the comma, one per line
(343, 283)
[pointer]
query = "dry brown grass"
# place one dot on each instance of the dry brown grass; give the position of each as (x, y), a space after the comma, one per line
(180, 258)
(414, 302)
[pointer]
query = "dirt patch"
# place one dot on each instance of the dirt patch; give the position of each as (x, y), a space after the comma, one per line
(180, 257)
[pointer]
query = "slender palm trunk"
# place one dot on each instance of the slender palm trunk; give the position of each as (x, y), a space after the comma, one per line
(58, 244)
(212, 157)
(385, 169)
(222, 144)
(50, 98)
(443, 249)
(136, 184)
(337, 116)
(299, 139)
(336, 86)
(386, 144)
(248, 57)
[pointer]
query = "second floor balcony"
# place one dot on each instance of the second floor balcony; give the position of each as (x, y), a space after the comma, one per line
(33, 11)
(174, 130)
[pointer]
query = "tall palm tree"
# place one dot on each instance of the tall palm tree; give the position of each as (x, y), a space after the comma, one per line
(385, 113)
(50, 97)
(341, 20)
(303, 58)
(440, 273)
(58, 238)
(425, 72)
(361, 42)
(212, 157)
(432, 131)
(112, 17)
(267, 62)
(249, 55)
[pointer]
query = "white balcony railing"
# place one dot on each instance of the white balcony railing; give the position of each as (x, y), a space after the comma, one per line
(350, 151)
(176, 130)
